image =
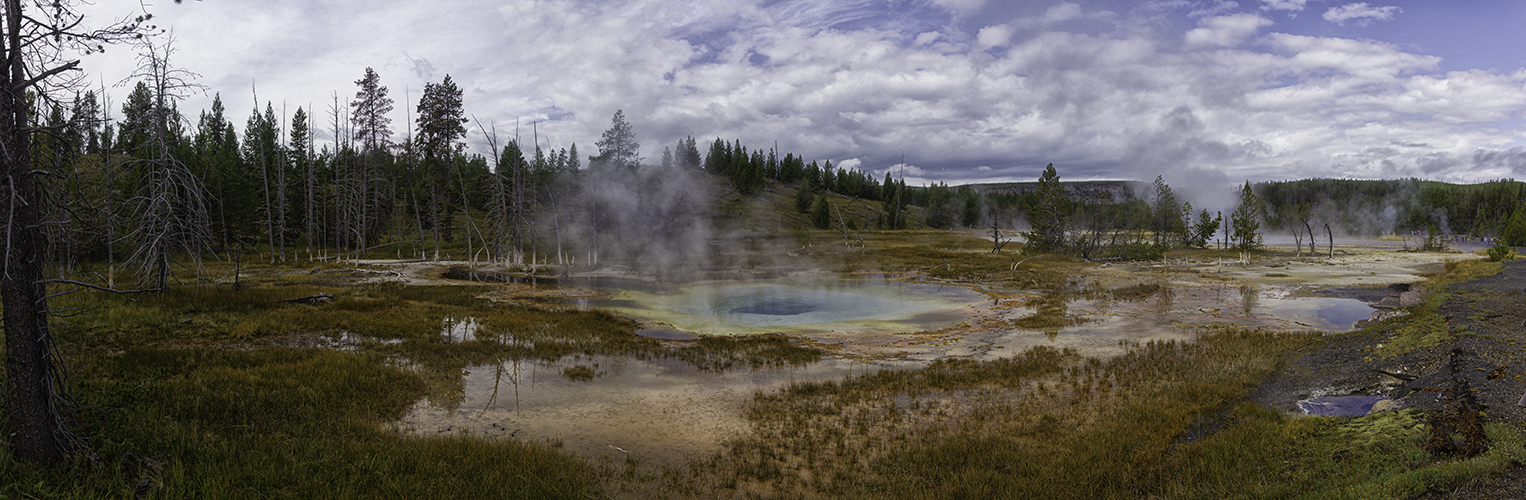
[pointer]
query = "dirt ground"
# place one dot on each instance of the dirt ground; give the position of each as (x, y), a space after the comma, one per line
(1487, 318)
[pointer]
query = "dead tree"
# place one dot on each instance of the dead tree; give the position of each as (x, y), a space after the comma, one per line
(1297, 242)
(997, 239)
(1331, 234)
(1311, 236)
(33, 45)
(170, 205)
(304, 143)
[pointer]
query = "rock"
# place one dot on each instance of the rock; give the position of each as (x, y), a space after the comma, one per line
(1397, 288)
(1379, 317)
(1408, 299)
(1383, 405)
(1389, 303)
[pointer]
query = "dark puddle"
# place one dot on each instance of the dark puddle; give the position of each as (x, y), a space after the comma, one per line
(1339, 406)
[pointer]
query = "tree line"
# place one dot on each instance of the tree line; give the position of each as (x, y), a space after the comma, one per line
(1376, 207)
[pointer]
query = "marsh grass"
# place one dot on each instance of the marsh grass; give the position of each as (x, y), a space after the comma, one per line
(1269, 455)
(199, 392)
(1165, 420)
(191, 394)
(289, 423)
(1043, 424)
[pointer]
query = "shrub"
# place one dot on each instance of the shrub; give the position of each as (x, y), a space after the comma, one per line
(1500, 251)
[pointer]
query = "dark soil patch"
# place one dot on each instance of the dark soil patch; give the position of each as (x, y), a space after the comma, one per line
(1483, 356)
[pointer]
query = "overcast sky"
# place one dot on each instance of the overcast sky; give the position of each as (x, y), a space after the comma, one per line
(1203, 92)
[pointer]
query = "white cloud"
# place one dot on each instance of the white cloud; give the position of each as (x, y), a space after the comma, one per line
(961, 7)
(906, 170)
(1226, 31)
(1360, 14)
(1064, 11)
(1132, 102)
(1293, 5)
(993, 36)
(1218, 7)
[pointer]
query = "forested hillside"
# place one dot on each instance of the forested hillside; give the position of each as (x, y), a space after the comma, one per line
(1377, 207)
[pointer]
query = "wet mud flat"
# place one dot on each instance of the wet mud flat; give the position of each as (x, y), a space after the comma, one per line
(1483, 319)
(665, 411)
(1478, 369)
(655, 411)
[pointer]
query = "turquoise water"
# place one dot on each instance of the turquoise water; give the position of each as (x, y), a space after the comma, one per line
(798, 305)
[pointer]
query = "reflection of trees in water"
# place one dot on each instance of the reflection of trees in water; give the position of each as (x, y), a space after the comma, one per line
(1248, 296)
(514, 371)
(1165, 298)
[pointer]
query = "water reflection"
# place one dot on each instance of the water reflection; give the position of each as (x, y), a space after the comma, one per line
(458, 330)
(1249, 296)
(657, 409)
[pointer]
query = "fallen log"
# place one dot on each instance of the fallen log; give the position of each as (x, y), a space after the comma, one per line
(312, 299)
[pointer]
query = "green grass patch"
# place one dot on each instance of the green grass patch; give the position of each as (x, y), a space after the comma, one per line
(1422, 329)
(1265, 454)
(283, 423)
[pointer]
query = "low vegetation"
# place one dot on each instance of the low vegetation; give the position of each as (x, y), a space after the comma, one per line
(212, 391)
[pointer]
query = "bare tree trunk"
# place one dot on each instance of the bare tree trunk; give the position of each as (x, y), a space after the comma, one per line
(434, 215)
(281, 186)
(1306, 226)
(1298, 242)
(309, 222)
(32, 53)
(29, 370)
(1331, 234)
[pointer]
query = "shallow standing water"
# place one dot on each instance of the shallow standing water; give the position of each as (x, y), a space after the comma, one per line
(798, 305)
(663, 411)
(1323, 313)
(659, 411)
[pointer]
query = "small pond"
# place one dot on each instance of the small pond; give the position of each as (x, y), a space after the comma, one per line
(657, 410)
(1322, 313)
(802, 304)
(1339, 406)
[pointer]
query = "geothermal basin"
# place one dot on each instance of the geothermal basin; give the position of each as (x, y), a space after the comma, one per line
(799, 305)
(662, 411)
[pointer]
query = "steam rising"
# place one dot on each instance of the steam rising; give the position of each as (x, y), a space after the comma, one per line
(651, 219)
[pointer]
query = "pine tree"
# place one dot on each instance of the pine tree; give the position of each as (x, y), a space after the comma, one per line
(1167, 220)
(688, 154)
(441, 124)
(1246, 221)
(821, 215)
(618, 146)
(1047, 218)
(137, 122)
(1203, 229)
(804, 197)
(368, 112)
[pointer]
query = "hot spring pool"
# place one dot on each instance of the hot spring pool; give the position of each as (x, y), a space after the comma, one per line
(859, 305)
